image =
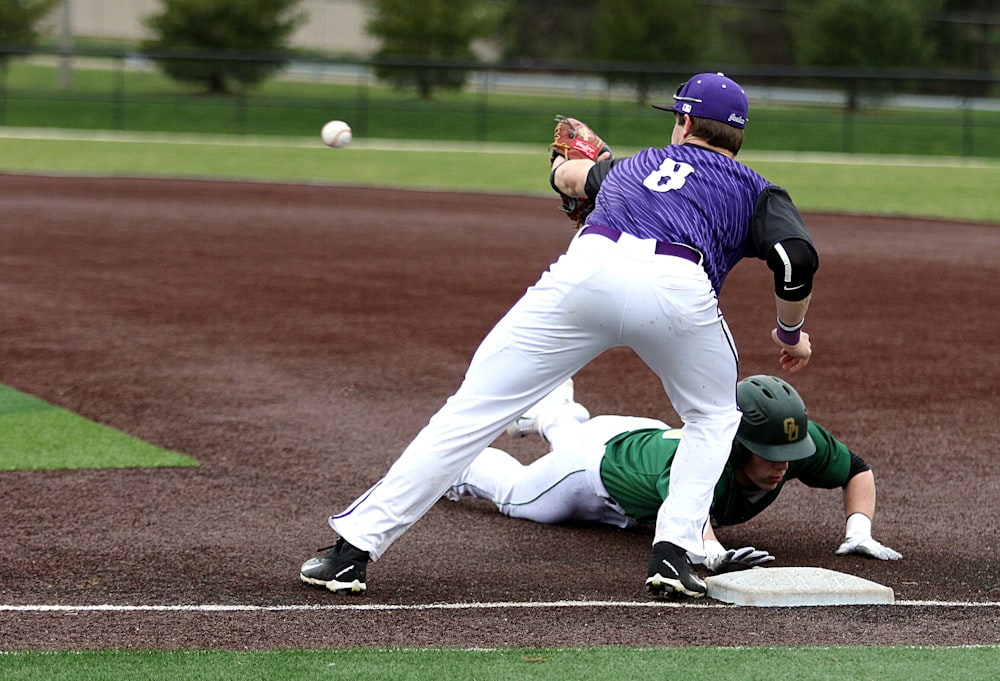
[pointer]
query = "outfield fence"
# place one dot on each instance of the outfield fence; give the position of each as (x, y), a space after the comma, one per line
(849, 111)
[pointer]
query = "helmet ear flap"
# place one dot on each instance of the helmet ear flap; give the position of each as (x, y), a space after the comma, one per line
(740, 456)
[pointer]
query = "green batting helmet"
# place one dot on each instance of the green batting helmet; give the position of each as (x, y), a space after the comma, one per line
(775, 421)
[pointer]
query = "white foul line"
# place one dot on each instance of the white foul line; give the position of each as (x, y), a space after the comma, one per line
(431, 606)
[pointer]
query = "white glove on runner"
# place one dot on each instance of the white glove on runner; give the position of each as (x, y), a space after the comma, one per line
(859, 540)
(719, 560)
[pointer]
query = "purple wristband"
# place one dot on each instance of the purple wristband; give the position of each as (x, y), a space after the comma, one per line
(789, 337)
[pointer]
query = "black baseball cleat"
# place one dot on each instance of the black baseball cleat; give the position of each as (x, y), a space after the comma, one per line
(671, 573)
(341, 569)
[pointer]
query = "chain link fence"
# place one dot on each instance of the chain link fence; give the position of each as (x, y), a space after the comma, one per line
(844, 111)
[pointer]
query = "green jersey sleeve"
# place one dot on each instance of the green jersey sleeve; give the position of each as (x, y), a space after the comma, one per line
(829, 467)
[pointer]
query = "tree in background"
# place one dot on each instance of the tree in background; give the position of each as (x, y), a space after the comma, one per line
(758, 34)
(721, 34)
(426, 32)
(255, 30)
(967, 35)
(550, 30)
(19, 20)
(864, 34)
(428, 45)
(647, 33)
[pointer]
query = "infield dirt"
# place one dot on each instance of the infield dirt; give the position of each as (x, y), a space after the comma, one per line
(294, 338)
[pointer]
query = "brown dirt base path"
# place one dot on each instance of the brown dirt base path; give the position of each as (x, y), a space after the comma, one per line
(294, 338)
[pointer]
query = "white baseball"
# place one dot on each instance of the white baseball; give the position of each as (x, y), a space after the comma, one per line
(336, 134)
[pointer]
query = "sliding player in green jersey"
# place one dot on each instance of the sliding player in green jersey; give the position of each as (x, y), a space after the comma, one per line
(616, 470)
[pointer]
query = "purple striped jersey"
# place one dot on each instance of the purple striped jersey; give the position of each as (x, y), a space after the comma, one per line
(685, 194)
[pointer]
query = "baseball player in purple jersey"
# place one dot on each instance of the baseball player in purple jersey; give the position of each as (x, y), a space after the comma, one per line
(644, 272)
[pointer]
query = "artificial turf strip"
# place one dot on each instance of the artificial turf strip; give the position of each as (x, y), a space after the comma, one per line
(36, 435)
(897, 663)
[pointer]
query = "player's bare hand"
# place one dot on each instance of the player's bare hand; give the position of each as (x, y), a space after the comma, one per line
(794, 357)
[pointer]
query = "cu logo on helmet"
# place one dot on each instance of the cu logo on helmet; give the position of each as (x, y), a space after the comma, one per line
(791, 429)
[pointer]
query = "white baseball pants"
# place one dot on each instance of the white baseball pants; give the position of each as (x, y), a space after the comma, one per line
(562, 486)
(598, 295)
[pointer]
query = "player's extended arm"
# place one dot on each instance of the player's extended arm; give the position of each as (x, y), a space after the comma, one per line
(577, 146)
(720, 560)
(780, 237)
(795, 346)
(859, 507)
(570, 176)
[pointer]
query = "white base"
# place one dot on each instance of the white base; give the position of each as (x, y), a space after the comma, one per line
(795, 586)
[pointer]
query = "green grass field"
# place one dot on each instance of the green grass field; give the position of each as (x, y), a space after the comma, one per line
(750, 664)
(939, 187)
(40, 436)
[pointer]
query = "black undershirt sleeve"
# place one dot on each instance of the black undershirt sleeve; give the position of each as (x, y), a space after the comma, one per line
(596, 175)
(858, 465)
(779, 236)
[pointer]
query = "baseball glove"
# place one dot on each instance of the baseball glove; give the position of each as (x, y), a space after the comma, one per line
(573, 139)
(576, 209)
